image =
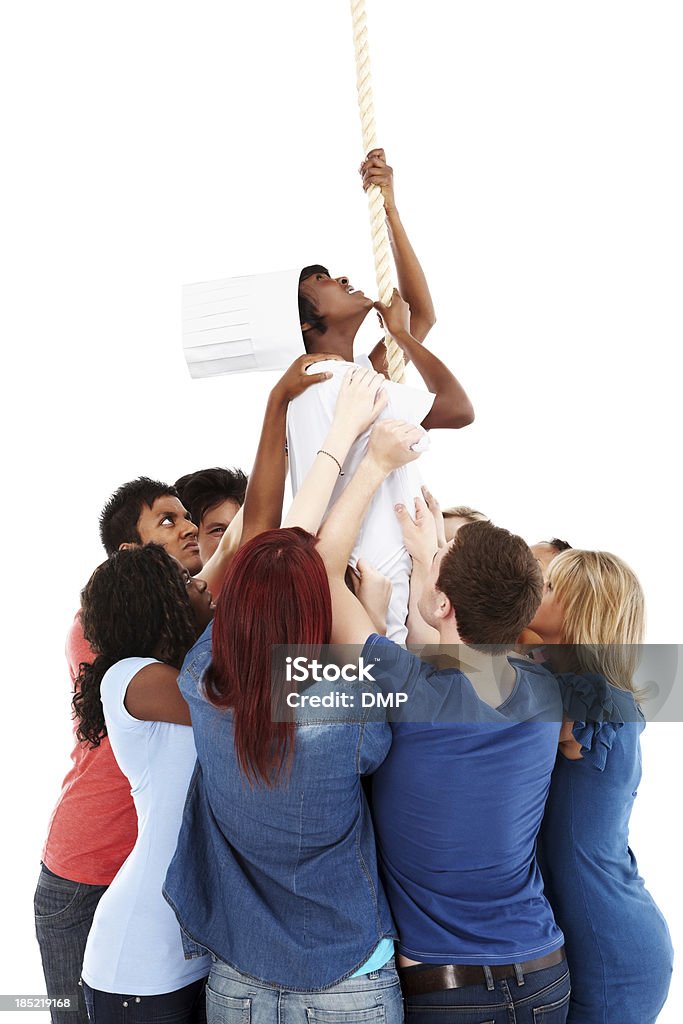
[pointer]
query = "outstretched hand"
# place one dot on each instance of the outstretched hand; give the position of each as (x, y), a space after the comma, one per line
(295, 380)
(419, 534)
(435, 508)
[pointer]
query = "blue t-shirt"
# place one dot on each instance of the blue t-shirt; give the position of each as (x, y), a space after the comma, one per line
(457, 806)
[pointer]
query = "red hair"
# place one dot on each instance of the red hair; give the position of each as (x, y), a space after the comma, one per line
(275, 592)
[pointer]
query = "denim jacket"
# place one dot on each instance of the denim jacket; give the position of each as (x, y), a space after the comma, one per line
(280, 882)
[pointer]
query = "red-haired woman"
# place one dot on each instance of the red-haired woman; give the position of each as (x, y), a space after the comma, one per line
(275, 871)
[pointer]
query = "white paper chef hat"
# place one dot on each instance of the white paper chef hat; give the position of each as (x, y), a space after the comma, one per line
(242, 323)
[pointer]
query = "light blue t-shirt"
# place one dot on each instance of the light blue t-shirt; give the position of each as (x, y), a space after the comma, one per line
(134, 945)
(381, 955)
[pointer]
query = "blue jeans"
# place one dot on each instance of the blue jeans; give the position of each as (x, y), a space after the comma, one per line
(63, 912)
(234, 998)
(184, 1006)
(543, 998)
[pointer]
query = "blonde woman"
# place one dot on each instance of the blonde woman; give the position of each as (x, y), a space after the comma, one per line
(618, 945)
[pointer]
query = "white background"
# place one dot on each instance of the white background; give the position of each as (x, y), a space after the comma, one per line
(537, 148)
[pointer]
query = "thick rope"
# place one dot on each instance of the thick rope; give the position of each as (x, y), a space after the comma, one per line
(378, 222)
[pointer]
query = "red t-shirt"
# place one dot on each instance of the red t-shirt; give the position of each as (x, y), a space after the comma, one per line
(94, 826)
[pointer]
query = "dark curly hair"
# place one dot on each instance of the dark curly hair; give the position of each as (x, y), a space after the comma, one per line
(135, 605)
(203, 490)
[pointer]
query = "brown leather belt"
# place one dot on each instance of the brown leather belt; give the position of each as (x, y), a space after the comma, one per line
(433, 979)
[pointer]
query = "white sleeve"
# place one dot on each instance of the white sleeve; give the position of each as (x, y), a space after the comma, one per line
(408, 403)
(113, 692)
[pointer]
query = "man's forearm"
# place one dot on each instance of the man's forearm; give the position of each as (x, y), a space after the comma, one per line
(412, 283)
(452, 407)
(419, 633)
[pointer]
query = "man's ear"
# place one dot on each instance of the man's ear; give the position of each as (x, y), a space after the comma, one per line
(128, 545)
(305, 327)
(443, 608)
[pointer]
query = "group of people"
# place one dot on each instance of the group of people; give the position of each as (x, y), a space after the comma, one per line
(463, 860)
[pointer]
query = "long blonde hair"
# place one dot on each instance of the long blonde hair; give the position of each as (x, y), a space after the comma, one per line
(603, 612)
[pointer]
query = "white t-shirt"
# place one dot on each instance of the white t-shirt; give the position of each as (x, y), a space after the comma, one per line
(380, 541)
(134, 945)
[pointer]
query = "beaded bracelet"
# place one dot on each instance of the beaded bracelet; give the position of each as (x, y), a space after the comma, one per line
(321, 451)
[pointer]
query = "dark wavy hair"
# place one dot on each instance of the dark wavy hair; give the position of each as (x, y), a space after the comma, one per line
(119, 517)
(135, 605)
(276, 592)
(203, 490)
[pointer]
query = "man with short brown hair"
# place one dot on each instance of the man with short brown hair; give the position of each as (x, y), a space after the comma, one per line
(458, 802)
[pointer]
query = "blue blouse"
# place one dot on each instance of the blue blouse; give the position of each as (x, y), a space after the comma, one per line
(281, 882)
(618, 944)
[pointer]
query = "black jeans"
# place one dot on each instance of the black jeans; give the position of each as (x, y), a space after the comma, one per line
(542, 998)
(184, 1006)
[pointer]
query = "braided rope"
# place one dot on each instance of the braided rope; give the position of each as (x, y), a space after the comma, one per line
(378, 223)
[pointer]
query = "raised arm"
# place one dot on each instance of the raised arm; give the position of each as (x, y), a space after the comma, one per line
(360, 401)
(421, 541)
(412, 282)
(266, 488)
(452, 408)
(389, 448)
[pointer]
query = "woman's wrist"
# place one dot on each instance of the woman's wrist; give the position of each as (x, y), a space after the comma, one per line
(339, 439)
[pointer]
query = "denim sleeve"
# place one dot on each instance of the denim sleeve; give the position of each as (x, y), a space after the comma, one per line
(194, 665)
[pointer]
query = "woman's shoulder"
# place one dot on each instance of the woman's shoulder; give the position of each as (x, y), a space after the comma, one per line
(121, 672)
(599, 711)
(114, 687)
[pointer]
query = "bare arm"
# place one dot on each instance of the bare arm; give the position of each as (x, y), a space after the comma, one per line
(569, 746)
(421, 541)
(266, 489)
(153, 696)
(360, 401)
(412, 282)
(390, 447)
(452, 408)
